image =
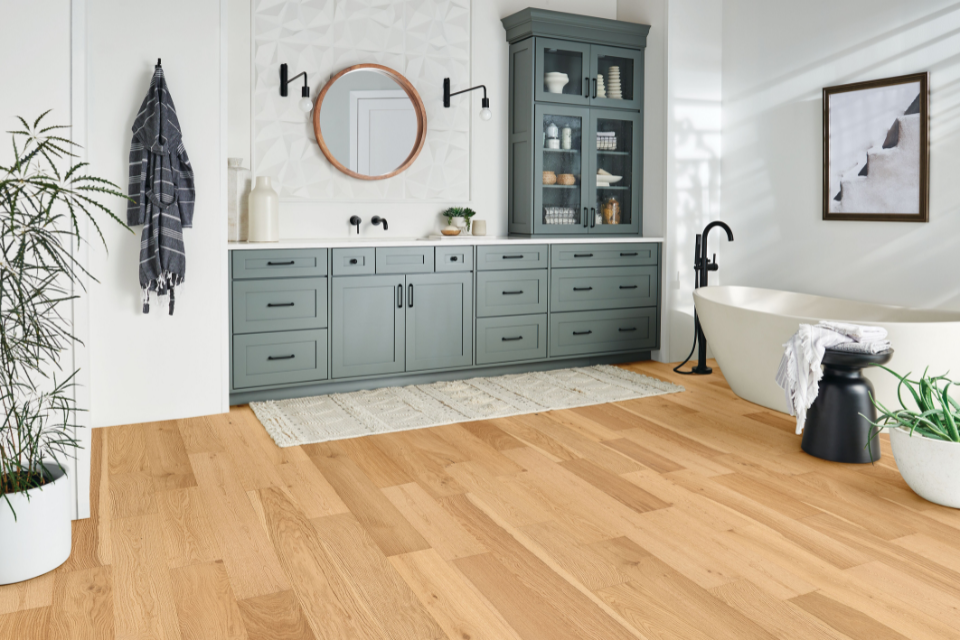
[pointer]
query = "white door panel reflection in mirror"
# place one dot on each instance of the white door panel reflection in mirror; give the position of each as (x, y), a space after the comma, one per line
(383, 130)
(370, 122)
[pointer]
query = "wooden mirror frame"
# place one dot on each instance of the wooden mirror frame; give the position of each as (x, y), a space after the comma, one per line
(417, 106)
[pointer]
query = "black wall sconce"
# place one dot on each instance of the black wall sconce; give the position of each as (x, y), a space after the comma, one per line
(485, 113)
(305, 103)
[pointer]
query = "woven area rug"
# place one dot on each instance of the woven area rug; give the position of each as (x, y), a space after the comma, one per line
(361, 413)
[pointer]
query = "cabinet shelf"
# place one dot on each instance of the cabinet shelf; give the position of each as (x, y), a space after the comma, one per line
(561, 186)
(562, 150)
(612, 153)
(618, 188)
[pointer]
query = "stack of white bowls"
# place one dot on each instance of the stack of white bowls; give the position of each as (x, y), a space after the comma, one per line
(556, 81)
(601, 89)
(613, 86)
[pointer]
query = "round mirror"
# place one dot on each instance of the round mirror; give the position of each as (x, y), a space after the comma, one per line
(370, 122)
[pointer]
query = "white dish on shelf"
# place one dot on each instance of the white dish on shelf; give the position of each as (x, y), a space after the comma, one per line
(607, 180)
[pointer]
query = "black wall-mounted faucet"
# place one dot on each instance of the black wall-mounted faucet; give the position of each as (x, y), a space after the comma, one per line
(376, 220)
(355, 220)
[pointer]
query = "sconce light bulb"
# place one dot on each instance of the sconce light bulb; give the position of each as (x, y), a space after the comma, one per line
(485, 113)
(306, 105)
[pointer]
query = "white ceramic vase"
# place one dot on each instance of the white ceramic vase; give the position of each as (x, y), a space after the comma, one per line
(238, 184)
(930, 467)
(479, 227)
(460, 223)
(37, 540)
(264, 223)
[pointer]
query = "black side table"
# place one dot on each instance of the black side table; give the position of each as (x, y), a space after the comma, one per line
(835, 430)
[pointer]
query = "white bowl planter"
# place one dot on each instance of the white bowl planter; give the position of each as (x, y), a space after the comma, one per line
(38, 540)
(930, 467)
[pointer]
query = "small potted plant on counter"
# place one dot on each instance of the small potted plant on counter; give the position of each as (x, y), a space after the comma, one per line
(459, 217)
(43, 199)
(926, 440)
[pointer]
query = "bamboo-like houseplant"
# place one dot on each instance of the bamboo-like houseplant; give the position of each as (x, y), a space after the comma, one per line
(45, 199)
(926, 439)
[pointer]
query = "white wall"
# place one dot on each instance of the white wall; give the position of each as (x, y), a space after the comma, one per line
(681, 147)
(156, 366)
(488, 148)
(776, 59)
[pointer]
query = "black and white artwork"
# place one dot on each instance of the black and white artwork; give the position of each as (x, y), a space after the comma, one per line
(875, 150)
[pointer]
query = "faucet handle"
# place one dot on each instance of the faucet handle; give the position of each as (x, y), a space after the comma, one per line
(355, 220)
(376, 220)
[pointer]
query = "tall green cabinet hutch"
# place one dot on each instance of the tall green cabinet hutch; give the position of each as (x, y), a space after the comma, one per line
(576, 124)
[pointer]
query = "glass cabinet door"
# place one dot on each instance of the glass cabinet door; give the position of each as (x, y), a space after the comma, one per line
(560, 166)
(615, 189)
(616, 77)
(562, 72)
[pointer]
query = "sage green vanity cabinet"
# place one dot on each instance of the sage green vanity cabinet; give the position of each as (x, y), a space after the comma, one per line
(439, 321)
(368, 325)
(312, 321)
(575, 124)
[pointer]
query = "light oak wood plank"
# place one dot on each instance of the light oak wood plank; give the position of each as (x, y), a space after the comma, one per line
(29, 624)
(187, 536)
(206, 606)
(488, 431)
(248, 556)
(845, 619)
(277, 616)
(440, 530)
(83, 606)
(450, 598)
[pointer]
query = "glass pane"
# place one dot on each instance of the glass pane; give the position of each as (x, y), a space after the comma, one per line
(563, 72)
(615, 78)
(561, 180)
(614, 146)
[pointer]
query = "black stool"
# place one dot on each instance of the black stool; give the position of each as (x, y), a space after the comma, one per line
(835, 430)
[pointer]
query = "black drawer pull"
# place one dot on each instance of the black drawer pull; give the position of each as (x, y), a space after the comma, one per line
(582, 333)
(511, 339)
(625, 330)
(453, 258)
(289, 357)
(583, 255)
(399, 296)
(353, 261)
(280, 304)
(583, 288)
(281, 264)
(628, 286)
(512, 293)
(627, 255)
(410, 295)
(519, 257)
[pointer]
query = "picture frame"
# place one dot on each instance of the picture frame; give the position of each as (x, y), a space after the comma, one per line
(884, 123)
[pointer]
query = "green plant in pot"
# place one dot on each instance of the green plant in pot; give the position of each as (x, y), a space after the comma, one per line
(459, 215)
(925, 436)
(46, 198)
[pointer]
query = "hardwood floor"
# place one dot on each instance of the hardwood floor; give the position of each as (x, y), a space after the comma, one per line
(688, 516)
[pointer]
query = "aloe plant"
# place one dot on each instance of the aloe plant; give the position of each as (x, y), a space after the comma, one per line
(44, 195)
(936, 415)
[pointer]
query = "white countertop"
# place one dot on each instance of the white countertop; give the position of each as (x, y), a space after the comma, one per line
(387, 241)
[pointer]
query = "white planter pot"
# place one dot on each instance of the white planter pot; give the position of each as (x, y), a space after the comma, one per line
(38, 540)
(264, 223)
(930, 467)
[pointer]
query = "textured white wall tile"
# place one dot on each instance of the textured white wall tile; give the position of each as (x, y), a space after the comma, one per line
(425, 40)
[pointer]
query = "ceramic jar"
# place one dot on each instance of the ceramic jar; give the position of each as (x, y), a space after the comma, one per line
(264, 212)
(479, 227)
(238, 184)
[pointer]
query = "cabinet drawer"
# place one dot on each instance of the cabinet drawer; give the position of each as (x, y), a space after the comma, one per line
(266, 359)
(589, 332)
(454, 258)
(524, 256)
(279, 305)
(354, 262)
(602, 288)
(405, 260)
(604, 255)
(504, 293)
(511, 339)
(279, 263)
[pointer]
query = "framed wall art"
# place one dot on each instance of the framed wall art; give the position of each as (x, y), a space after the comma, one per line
(875, 150)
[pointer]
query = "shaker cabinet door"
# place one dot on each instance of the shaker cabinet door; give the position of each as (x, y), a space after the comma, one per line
(614, 186)
(439, 321)
(561, 170)
(367, 325)
(562, 72)
(616, 77)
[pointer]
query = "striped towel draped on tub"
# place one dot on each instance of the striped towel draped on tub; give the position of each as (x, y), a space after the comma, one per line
(162, 192)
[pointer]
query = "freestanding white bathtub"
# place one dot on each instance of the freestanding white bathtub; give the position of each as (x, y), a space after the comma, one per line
(746, 328)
